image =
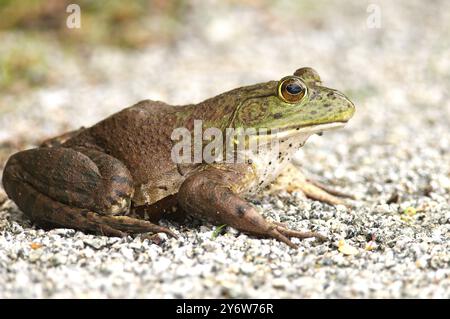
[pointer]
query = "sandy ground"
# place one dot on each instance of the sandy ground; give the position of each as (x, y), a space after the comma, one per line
(398, 144)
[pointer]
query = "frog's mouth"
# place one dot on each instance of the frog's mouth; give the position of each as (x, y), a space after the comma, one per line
(312, 129)
(292, 131)
(273, 139)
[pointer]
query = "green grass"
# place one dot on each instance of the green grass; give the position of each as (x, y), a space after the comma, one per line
(30, 28)
(130, 24)
(217, 231)
(23, 65)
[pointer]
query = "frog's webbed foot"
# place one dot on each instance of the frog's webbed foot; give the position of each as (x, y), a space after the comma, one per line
(209, 194)
(83, 189)
(292, 179)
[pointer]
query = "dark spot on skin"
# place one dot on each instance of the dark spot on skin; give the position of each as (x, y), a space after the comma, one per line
(249, 161)
(84, 213)
(330, 94)
(91, 175)
(110, 200)
(210, 184)
(277, 115)
(225, 196)
(120, 179)
(211, 197)
(297, 129)
(327, 105)
(270, 163)
(290, 144)
(241, 210)
(120, 194)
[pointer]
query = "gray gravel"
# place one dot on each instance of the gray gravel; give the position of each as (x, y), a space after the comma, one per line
(397, 145)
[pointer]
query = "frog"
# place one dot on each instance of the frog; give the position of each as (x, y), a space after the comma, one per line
(118, 177)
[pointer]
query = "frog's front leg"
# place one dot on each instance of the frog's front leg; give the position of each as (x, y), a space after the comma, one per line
(209, 194)
(80, 188)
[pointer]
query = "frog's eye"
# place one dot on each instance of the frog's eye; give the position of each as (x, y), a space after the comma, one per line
(291, 89)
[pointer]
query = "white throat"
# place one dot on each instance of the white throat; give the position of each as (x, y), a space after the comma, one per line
(270, 162)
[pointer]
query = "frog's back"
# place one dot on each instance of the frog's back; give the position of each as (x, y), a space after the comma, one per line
(139, 136)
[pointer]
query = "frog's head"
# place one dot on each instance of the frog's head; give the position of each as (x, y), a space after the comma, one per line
(295, 103)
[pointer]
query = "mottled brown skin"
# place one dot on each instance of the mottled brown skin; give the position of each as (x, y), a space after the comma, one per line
(117, 177)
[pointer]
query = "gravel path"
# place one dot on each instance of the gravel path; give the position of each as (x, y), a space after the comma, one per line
(394, 156)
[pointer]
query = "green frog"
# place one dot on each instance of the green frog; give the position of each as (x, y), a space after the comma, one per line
(119, 176)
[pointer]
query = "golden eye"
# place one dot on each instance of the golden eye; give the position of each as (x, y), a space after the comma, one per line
(291, 89)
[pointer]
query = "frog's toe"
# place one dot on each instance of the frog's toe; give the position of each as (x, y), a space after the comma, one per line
(106, 230)
(331, 190)
(298, 234)
(311, 190)
(276, 234)
(129, 225)
(284, 234)
(293, 180)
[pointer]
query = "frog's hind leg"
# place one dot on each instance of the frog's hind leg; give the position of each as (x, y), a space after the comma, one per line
(83, 189)
(292, 179)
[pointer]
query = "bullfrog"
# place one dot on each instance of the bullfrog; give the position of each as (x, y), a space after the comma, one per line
(119, 176)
